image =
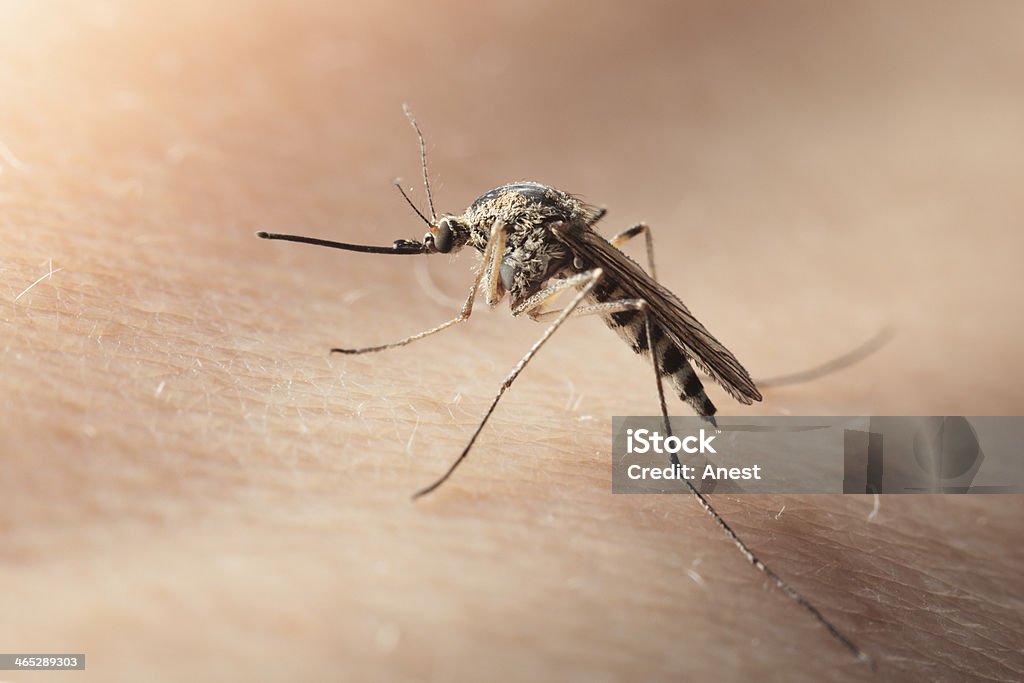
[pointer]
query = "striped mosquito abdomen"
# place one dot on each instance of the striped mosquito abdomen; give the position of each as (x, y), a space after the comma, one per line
(671, 361)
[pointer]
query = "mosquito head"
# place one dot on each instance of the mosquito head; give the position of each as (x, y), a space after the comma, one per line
(447, 235)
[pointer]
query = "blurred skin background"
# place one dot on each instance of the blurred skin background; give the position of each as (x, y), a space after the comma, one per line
(193, 488)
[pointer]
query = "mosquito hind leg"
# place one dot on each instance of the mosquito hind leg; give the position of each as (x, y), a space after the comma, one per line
(741, 545)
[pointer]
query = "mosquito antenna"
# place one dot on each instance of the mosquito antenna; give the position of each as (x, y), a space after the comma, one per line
(398, 184)
(423, 160)
(401, 247)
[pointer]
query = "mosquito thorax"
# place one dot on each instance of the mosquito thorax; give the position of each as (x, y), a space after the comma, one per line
(521, 207)
(526, 211)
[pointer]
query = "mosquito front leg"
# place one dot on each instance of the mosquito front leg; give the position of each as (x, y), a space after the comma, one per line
(487, 274)
(629, 234)
(590, 278)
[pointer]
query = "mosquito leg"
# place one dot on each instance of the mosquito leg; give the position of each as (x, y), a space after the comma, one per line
(592, 277)
(745, 550)
(829, 367)
(573, 310)
(488, 273)
(868, 348)
(629, 234)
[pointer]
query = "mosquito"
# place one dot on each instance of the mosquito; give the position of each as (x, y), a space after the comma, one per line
(538, 245)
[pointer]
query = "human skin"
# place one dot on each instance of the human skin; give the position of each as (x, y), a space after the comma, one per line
(194, 488)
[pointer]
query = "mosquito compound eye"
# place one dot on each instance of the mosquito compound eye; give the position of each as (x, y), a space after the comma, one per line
(443, 239)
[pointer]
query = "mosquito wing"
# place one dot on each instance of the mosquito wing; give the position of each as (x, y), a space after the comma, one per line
(669, 312)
